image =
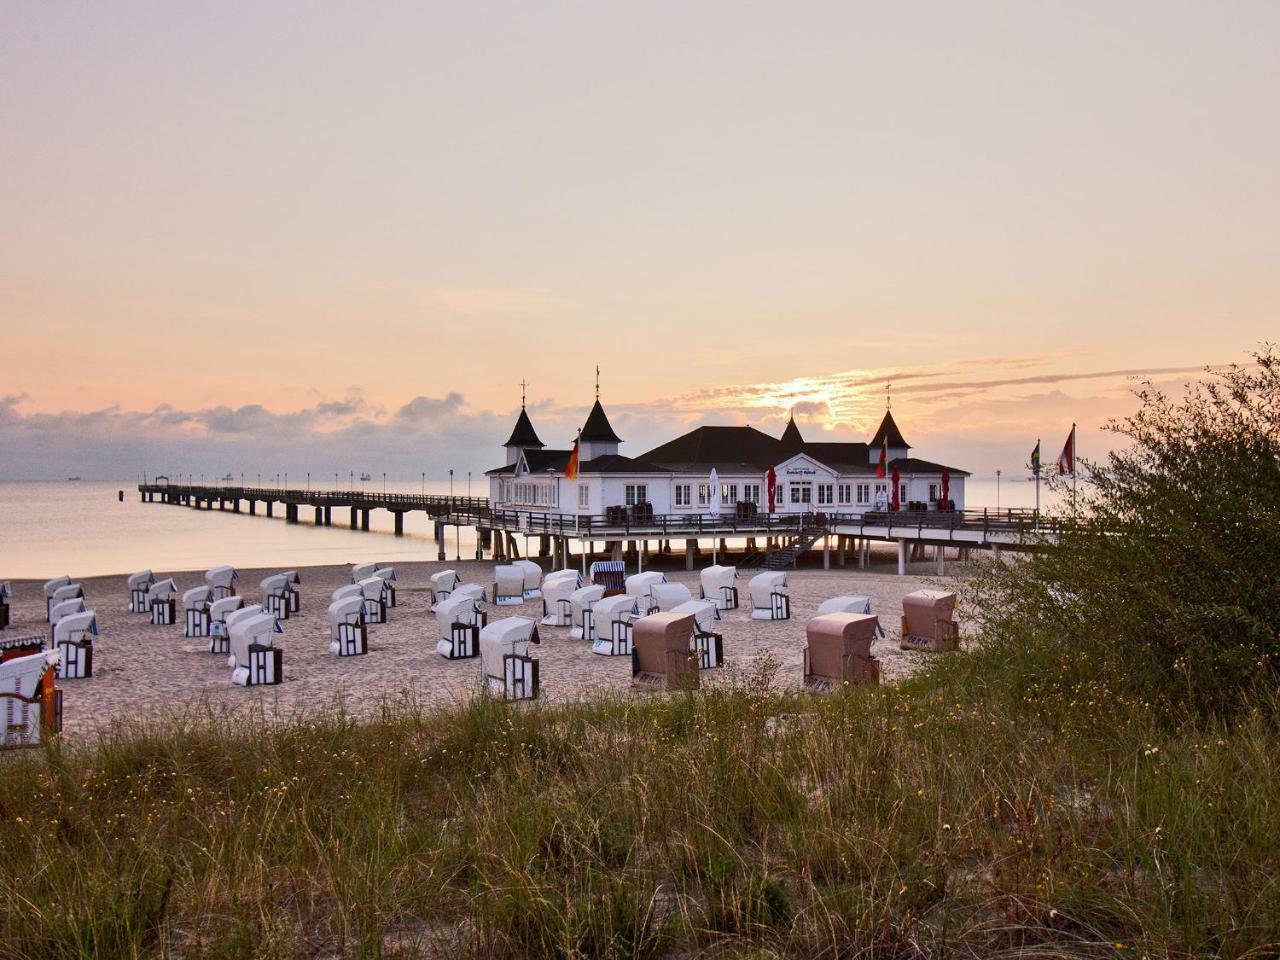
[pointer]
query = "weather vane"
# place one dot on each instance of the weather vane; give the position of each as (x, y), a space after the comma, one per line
(597, 381)
(524, 386)
(888, 400)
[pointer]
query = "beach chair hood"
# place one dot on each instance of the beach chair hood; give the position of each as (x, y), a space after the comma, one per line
(510, 635)
(141, 579)
(54, 584)
(86, 621)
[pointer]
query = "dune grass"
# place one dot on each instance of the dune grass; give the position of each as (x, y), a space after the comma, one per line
(931, 820)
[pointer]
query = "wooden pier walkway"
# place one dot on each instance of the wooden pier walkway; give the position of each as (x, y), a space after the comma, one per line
(498, 530)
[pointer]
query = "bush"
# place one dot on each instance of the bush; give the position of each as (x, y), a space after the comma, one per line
(1165, 586)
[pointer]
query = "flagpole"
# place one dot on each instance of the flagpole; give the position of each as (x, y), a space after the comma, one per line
(1073, 471)
(1037, 489)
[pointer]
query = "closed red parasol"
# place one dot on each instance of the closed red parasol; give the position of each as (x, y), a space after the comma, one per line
(946, 488)
(895, 501)
(771, 481)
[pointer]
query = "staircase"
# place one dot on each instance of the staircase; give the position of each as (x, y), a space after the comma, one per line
(783, 557)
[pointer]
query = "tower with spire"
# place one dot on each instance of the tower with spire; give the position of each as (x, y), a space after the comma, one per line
(597, 438)
(889, 433)
(523, 436)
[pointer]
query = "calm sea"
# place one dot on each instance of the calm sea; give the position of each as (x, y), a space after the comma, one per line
(82, 529)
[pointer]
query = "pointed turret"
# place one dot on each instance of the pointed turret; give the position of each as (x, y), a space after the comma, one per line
(888, 433)
(791, 442)
(523, 437)
(597, 437)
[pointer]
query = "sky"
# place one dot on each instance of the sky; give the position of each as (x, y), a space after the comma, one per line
(326, 236)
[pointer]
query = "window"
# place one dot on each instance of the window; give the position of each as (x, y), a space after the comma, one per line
(584, 495)
(864, 494)
(704, 494)
(846, 493)
(801, 493)
(933, 493)
(751, 492)
(902, 492)
(728, 494)
(825, 494)
(534, 494)
(637, 493)
(683, 494)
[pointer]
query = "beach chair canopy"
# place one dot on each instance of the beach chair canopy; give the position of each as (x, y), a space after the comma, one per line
(833, 636)
(667, 596)
(714, 577)
(762, 585)
(68, 591)
(456, 609)
(141, 579)
(609, 609)
(508, 636)
(276, 585)
(509, 580)
(162, 589)
(86, 621)
(19, 722)
(293, 577)
(445, 580)
(845, 604)
(346, 610)
(585, 597)
(472, 591)
(242, 613)
(638, 584)
(563, 576)
(705, 613)
(260, 628)
(219, 609)
(385, 573)
(923, 609)
(223, 577)
(65, 608)
(660, 635)
(54, 584)
(362, 571)
(532, 573)
(6, 589)
(610, 574)
(348, 590)
(197, 598)
(372, 588)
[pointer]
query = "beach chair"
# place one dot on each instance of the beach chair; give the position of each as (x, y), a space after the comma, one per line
(707, 643)
(850, 603)
(718, 583)
(638, 585)
(219, 610)
(442, 585)
(162, 602)
(73, 641)
(388, 577)
(459, 620)
(532, 578)
(611, 619)
(509, 671)
(255, 660)
(275, 595)
(138, 583)
(6, 592)
(610, 574)
(580, 603)
(838, 651)
(50, 586)
(222, 581)
(347, 590)
(348, 635)
(362, 571)
(556, 589)
(661, 652)
(928, 621)
(374, 592)
(294, 595)
(68, 591)
(30, 702)
(508, 585)
(664, 596)
(65, 608)
(195, 611)
(769, 597)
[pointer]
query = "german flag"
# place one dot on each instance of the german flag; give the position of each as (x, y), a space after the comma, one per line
(571, 471)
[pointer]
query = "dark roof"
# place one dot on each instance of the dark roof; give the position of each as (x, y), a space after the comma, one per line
(717, 446)
(791, 441)
(597, 428)
(850, 457)
(523, 435)
(543, 460)
(916, 465)
(499, 471)
(616, 463)
(889, 429)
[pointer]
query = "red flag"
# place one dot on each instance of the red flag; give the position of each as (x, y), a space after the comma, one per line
(571, 471)
(882, 468)
(1067, 459)
(771, 481)
(896, 502)
(946, 487)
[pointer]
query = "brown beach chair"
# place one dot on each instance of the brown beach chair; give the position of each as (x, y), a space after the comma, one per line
(838, 651)
(661, 657)
(928, 621)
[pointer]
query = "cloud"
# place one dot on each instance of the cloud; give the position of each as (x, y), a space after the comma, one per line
(429, 409)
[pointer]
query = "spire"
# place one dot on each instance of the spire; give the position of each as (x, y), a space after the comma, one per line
(597, 429)
(889, 431)
(523, 435)
(792, 441)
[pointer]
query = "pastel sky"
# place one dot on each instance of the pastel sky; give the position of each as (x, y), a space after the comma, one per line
(241, 236)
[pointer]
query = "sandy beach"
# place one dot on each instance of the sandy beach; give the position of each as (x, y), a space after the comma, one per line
(142, 670)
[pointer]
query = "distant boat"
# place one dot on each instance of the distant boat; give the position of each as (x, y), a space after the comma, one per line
(363, 477)
(228, 478)
(72, 479)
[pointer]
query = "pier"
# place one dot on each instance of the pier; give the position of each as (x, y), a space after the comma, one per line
(772, 541)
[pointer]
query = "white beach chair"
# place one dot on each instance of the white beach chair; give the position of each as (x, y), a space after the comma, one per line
(388, 576)
(718, 583)
(295, 597)
(222, 581)
(459, 621)
(255, 659)
(362, 571)
(49, 587)
(29, 703)
(508, 585)
(556, 590)
(6, 591)
(219, 610)
(580, 603)
(706, 642)
(532, 578)
(848, 603)
(348, 635)
(162, 602)
(347, 590)
(195, 611)
(638, 585)
(138, 583)
(73, 640)
(442, 585)
(509, 671)
(275, 595)
(373, 590)
(770, 599)
(64, 608)
(68, 591)
(665, 597)
(611, 625)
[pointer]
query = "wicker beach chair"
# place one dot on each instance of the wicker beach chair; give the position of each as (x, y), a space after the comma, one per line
(509, 671)
(838, 651)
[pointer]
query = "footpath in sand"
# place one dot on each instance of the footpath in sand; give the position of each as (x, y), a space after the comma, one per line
(142, 671)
